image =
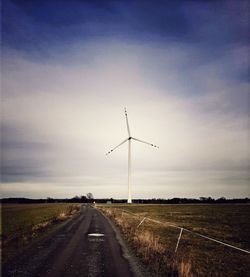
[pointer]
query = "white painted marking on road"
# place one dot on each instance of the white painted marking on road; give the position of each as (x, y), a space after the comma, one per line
(96, 235)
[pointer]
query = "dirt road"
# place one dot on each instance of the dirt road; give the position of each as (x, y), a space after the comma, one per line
(71, 250)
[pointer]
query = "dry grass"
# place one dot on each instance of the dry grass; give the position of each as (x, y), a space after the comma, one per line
(155, 243)
(149, 247)
(184, 269)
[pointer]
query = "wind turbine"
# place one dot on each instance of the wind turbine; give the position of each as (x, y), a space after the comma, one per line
(129, 154)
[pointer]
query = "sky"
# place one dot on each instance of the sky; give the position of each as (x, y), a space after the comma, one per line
(181, 68)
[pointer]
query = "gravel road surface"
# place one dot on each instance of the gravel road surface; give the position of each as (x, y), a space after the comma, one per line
(71, 250)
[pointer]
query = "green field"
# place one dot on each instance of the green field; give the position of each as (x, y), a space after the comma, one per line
(155, 243)
(20, 223)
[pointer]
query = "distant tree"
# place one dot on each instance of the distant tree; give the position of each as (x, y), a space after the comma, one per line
(90, 196)
(221, 200)
(175, 200)
(203, 199)
(76, 199)
(210, 200)
(50, 200)
(83, 199)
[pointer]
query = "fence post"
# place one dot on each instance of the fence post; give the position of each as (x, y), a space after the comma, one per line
(141, 222)
(179, 238)
(176, 248)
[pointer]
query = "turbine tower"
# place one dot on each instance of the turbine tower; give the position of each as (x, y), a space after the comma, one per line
(129, 139)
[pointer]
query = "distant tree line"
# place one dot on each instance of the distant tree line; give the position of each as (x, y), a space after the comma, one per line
(205, 200)
(176, 200)
(90, 199)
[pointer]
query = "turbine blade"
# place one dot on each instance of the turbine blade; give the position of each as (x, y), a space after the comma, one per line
(151, 144)
(116, 146)
(127, 122)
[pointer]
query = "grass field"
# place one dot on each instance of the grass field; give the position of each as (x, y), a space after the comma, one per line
(22, 222)
(155, 243)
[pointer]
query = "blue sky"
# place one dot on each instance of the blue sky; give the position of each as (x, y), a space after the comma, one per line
(70, 67)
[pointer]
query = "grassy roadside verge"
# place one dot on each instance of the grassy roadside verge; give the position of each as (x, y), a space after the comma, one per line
(21, 223)
(155, 244)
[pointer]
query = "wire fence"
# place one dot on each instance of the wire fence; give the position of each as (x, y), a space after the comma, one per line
(203, 253)
(186, 230)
